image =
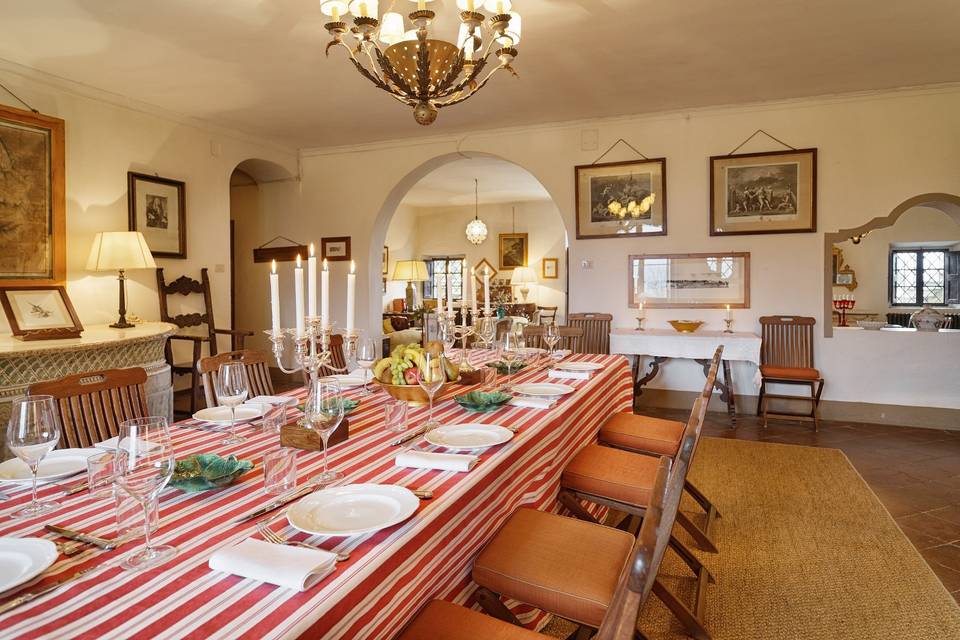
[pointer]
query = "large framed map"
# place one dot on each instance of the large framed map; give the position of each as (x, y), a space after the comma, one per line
(32, 202)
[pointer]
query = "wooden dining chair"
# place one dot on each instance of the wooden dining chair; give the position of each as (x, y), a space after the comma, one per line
(786, 357)
(629, 582)
(196, 328)
(338, 360)
(92, 405)
(546, 314)
(596, 331)
(256, 364)
(533, 335)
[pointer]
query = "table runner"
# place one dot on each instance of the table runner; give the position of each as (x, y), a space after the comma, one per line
(391, 574)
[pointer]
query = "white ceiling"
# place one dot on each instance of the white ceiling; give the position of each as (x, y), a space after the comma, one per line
(452, 184)
(259, 66)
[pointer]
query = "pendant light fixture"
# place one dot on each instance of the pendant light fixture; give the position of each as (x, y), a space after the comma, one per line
(476, 228)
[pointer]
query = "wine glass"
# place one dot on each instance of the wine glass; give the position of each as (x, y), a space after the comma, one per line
(488, 331)
(511, 353)
(552, 336)
(232, 388)
(366, 359)
(448, 336)
(430, 378)
(143, 467)
(33, 432)
(324, 413)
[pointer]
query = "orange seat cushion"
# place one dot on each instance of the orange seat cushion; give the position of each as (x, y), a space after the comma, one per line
(789, 373)
(562, 565)
(613, 474)
(447, 621)
(643, 433)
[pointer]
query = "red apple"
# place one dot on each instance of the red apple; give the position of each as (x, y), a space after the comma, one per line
(410, 375)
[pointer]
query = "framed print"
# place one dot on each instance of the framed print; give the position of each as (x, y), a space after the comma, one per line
(550, 267)
(157, 208)
(40, 312)
(513, 250)
(335, 249)
(32, 205)
(843, 275)
(622, 199)
(772, 192)
(385, 260)
(478, 271)
(689, 281)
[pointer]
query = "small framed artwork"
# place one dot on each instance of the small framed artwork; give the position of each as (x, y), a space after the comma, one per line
(513, 250)
(550, 268)
(771, 192)
(482, 267)
(335, 249)
(385, 259)
(689, 281)
(157, 208)
(622, 199)
(33, 204)
(40, 312)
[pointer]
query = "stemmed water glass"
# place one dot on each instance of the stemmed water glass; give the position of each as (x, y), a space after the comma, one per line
(552, 336)
(232, 389)
(366, 359)
(33, 432)
(487, 330)
(511, 353)
(142, 468)
(448, 336)
(430, 378)
(324, 413)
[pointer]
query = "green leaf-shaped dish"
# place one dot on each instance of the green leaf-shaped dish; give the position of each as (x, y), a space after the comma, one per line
(501, 367)
(207, 471)
(348, 406)
(482, 402)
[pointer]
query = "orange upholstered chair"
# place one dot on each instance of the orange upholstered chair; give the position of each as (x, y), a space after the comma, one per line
(786, 357)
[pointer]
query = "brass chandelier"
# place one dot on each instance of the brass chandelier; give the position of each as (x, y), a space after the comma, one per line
(419, 71)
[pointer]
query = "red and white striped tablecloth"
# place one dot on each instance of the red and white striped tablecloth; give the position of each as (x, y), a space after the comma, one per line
(391, 574)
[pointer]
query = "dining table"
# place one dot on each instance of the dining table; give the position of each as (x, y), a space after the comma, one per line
(390, 574)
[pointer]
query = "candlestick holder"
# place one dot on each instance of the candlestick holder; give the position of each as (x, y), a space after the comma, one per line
(311, 349)
(640, 320)
(842, 306)
(728, 325)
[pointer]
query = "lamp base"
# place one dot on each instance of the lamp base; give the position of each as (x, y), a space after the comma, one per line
(409, 296)
(122, 324)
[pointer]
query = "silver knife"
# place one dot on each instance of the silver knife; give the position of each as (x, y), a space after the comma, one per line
(276, 504)
(70, 534)
(409, 437)
(27, 597)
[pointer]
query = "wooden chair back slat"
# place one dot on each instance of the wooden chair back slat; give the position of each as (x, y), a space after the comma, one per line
(533, 335)
(338, 359)
(186, 286)
(787, 341)
(92, 405)
(596, 331)
(256, 364)
(547, 314)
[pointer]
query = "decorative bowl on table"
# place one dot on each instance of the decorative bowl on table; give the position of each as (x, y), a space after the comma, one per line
(501, 367)
(686, 326)
(206, 471)
(482, 402)
(412, 394)
(872, 325)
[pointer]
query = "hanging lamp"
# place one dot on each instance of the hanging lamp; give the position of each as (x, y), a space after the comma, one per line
(476, 228)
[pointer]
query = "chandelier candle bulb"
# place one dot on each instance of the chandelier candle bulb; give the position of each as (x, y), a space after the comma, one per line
(298, 291)
(274, 298)
(312, 282)
(351, 296)
(325, 295)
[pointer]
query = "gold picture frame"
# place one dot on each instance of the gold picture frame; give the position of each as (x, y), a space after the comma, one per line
(479, 268)
(40, 312)
(550, 268)
(513, 252)
(622, 199)
(689, 280)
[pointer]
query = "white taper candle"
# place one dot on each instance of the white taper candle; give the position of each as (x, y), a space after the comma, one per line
(274, 298)
(312, 282)
(325, 294)
(351, 296)
(298, 290)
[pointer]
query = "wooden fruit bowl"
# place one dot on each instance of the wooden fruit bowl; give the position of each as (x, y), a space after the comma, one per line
(412, 394)
(686, 326)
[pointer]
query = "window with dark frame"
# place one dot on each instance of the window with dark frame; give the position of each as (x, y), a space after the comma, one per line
(918, 277)
(438, 270)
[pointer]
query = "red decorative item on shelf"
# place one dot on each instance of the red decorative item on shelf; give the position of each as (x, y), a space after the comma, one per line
(842, 305)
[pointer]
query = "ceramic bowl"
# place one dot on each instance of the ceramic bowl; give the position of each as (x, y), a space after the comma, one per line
(481, 402)
(686, 326)
(206, 471)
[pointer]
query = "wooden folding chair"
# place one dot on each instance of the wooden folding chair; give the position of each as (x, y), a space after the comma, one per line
(546, 314)
(596, 331)
(631, 581)
(256, 364)
(92, 405)
(786, 357)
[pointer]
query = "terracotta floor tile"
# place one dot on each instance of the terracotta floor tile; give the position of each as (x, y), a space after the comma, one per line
(949, 577)
(920, 540)
(930, 525)
(947, 555)
(950, 514)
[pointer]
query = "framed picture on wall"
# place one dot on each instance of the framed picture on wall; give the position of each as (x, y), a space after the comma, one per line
(550, 268)
(482, 267)
(513, 250)
(385, 260)
(33, 205)
(622, 199)
(689, 281)
(157, 208)
(771, 192)
(40, 312)
(335, 249)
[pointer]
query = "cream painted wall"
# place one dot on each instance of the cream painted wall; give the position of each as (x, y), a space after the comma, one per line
(402, 240)
(875, 151)
(104, 140)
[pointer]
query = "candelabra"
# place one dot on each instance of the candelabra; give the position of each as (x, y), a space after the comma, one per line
(728, 325)
(842, 305)
(306, 354)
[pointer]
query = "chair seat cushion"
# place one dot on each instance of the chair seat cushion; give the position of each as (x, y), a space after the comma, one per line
(789, 373)
(643, 433)
(447, 621)
(613, 474)
(562, 565)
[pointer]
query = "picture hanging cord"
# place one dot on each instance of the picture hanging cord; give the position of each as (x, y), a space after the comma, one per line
(19, 99)
(275, 238)
(737, 148)
(615, 144)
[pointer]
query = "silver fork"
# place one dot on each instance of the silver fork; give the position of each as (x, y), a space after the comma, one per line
(273, 537)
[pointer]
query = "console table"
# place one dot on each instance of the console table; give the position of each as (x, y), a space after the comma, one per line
(100, 347)
(664, 344)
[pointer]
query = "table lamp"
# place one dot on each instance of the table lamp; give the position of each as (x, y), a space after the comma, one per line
(120, 251)
(411, 271)
(522, 277)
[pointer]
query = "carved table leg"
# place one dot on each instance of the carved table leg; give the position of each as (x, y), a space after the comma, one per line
(654, 370)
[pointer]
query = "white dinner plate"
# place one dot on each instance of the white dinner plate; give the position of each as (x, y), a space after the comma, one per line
(353, 509)
(23, 559)
(348, 380)
(542, 389)
(221, 415)
(57, 465)
(578, 366)
(533, 350)
(273, 400)
(468, 436)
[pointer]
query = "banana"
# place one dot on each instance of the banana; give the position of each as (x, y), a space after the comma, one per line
(381, 366)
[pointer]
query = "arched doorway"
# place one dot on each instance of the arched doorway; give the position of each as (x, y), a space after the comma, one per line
(459, 209)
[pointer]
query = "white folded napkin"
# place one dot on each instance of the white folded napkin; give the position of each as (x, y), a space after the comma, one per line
(283, 565)
(441, 461)
(568, 375)
(272, 400)
(532, 403)
(561, 353)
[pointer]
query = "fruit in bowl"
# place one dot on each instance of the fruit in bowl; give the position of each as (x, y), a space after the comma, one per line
(398, 373)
